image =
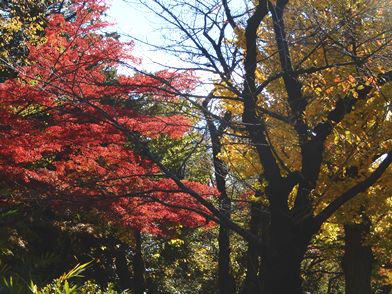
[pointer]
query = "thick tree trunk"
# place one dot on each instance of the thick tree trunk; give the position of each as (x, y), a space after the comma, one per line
(286, 241)
(139, 286)
(281, 266)
(279, 271)
(281, 274)
(357, 259)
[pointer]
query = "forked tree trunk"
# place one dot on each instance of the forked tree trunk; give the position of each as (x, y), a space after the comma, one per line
(357, 259)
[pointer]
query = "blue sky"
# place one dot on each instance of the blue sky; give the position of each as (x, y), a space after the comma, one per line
(133, 19)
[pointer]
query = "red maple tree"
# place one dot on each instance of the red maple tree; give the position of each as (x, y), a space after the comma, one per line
(66, 125)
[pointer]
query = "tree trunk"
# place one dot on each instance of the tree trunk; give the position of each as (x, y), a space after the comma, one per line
(225, 279)
(283, 250)
(357, 259)
(281, 265)
(387, 289)
(139, 286)
(122, 268)
(252, 282)
(281, 274)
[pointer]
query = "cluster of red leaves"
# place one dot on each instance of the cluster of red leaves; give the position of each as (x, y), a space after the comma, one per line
(64, 125)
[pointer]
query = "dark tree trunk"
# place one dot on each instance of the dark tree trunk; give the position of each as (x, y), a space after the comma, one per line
(139, 286)
(357, 259)
(286, 241)
(387, 289)
(281, 266)
(281, 274)
(225, 279)
(252, 282)
(122, 268)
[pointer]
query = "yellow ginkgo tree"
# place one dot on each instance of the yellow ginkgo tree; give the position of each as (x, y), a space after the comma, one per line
(323, 108)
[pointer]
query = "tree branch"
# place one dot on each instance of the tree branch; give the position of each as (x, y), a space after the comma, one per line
(352, 192)
(255, 125)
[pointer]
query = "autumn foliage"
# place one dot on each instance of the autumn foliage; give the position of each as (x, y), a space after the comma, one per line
(289, 124)
(67, 123)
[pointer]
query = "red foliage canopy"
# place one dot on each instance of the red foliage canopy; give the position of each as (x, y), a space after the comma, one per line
(65, 119)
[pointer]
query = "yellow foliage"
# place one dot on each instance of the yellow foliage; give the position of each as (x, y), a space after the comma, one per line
(21, 22)
(329, 232)
(363, 133)
(176, 242)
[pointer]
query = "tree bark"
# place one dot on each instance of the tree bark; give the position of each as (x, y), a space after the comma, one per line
(122, 268)
(282, 275)
(252, 282)
(357, 259)
(281, 267)
(283, 250)
(139, 286)
(225, 279)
